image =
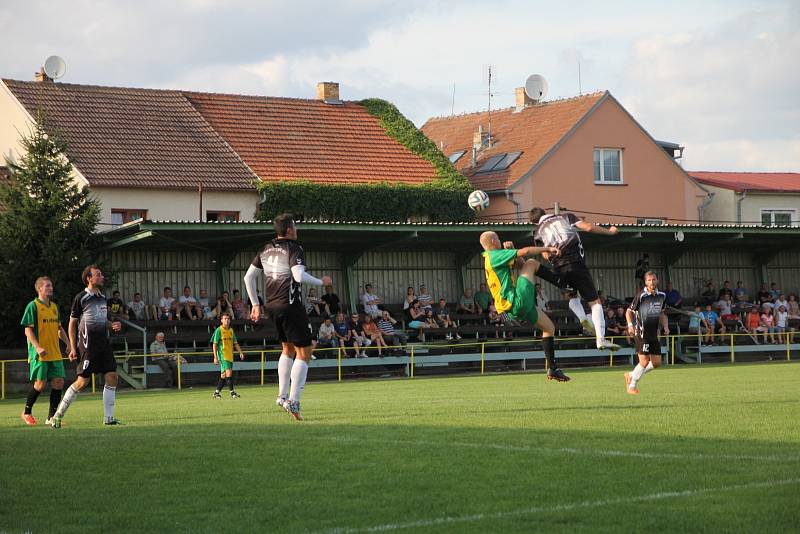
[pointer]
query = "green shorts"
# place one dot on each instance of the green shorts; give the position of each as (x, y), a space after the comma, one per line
(224, 365)
(46, 370)
(524, 307)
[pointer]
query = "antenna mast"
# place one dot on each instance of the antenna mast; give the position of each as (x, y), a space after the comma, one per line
(580, 91)
(453, 101)
(490, 106)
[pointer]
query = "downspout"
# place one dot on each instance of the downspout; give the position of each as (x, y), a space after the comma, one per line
(704, 204)
(510, 198)
(739, 206)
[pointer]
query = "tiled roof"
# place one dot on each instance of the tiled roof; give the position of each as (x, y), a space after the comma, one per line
(534, 130)
(288, 138)
(136, 137)
(750, 181)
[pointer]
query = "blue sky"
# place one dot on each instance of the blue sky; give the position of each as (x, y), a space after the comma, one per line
(721, 78)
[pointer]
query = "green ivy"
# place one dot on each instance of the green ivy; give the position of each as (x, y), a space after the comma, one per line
(444, 199)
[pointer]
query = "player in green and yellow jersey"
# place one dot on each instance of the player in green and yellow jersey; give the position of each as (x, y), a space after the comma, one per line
(516, 295)
(223, 342)
(43, 330)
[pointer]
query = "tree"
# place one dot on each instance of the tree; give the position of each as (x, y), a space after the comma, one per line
(47, 226)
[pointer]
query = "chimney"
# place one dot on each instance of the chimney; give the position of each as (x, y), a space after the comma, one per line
(480, 139)
(523, 100)
(42, 77)
(328, 92)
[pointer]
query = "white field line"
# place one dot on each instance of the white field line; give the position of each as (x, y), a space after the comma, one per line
(449, 520)
(571, 450)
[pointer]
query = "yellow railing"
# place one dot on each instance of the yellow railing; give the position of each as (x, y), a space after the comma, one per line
(412, 350)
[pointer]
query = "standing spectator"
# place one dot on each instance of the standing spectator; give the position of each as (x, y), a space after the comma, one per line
(116, 307)
(715, 324)
(410, 297)
(223, 305)
(642, 266)
(424, 298)
(357, 337)
(781, 322)
(767, 324)
(342, 333)
(764, 294)
(541, 298)
(483, 298)
(374, 334)
(205, 308)
(188, 305)
(168, 363)
(698, 323)
(326, 336)
(725, 290)
(416, 319)
(392, 336)
(774, 292)
(674, 298)
(370, 301)
(793, 307)
(467, 303)
(166, 305)
(331, 301)
(137, 307)
(239, 306)
(443, 320)
(313, 303)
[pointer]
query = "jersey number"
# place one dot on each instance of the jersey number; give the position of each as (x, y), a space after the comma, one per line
(646, 347)
(555, 234)
(272, 262)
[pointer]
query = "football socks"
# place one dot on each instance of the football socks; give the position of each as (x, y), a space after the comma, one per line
(33, 394)
(55, 398)
(599, 321)
(284, 375)
(109, 399)
(299, 372)
(69, 396)
(577, 308)
(549, 348)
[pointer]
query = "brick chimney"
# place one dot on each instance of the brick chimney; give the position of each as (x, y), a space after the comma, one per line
(328, 92)
(42, 77)
(523, 100)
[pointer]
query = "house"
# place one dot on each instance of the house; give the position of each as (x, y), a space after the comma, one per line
(768, 198)
(587, 153)
(181, 155)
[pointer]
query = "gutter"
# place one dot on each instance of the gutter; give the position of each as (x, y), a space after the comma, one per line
(510, 198)
(705, 203)
(739, 206)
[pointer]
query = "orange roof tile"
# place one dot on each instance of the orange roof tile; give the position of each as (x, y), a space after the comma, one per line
(534, 130)
(750, 181)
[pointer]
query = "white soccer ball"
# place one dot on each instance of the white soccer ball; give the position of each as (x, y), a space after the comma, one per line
(478, 200)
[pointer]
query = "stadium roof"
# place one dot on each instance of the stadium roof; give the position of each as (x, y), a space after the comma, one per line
(767, 182)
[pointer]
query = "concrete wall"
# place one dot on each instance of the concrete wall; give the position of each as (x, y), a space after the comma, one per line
(755, 202)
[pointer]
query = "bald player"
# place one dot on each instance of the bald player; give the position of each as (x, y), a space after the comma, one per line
(515, 295)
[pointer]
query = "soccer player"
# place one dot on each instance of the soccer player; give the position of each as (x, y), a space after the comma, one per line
(569, 268)
(43, 330)
(223, 341)
(516, 295)
(284, 265)
(644, 316)
(88, 338)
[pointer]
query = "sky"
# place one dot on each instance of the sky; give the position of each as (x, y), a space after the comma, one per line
(721, 78)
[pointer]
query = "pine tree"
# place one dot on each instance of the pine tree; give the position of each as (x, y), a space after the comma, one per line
(47, 225)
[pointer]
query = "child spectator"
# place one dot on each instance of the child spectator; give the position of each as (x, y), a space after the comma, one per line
(781, 322)
(223, 341)
(443, 320)
(767, 324)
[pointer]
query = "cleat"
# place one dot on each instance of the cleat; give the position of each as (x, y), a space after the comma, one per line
(279, 401)
(29, 419)
(293, 409)
(627, 380)
(113, 422)
(588, 327)
(217, 395)
(235, 395)
(632, 391)
(55, 422)
(557, 375)
(48, 422)
(606, 344)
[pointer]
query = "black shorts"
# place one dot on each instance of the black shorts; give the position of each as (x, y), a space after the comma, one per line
(96, 356)
(292, 324)
(575, 277)
(648, 346)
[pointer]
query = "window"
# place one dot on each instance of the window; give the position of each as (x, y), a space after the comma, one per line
(775, 217)
(222, 216)
(122, 216)
(455, 156)
(607, 166)
(649, 221)
(499, 162)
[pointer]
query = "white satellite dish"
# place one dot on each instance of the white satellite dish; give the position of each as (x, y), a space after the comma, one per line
(54, 67)
(536, 87)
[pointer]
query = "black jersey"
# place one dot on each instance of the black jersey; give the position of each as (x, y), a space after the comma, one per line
(648, 309)
(91, 310)
(559, 231)
(277, 260)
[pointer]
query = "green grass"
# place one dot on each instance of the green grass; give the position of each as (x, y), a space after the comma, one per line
(712, 448)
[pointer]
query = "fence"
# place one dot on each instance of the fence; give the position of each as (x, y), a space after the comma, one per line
(417, 356)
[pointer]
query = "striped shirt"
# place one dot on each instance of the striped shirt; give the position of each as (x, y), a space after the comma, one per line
(386, 326)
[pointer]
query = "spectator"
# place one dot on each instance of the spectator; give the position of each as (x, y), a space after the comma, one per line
(202, 303)
(187, 305)
(331, 300)
(342, 333)
(767, 324)
(725, 290)
(260, 304)
(740, 296)
(239, 306)
(482, 299)
(424, 298)
(764, 294)
(466, 305)
(724, 308)
(698, 323)
(392, 336)
(781, 323)
(370, 301)
(326, 336)
(430, 319)
(793, 307)
(753, 323)
(116, 308)
(674, 298)
(613, 328)
(314, 303)
(715, 324)
(374, 334)
(709, 293)
(443, 320)
(774, 292)
(642, 266)
(416, 319)
(781, 301)
(223, 305)
(137, 307)
(541, 298)
(410, 297)
(623, 320)
(357, 337)
(166, 305)
(167, 362)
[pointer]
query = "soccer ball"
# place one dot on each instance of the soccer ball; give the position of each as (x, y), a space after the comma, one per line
(478, 200)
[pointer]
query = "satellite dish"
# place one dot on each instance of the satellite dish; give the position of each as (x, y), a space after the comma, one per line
(536, 87)
(54, 67)
(679, 236)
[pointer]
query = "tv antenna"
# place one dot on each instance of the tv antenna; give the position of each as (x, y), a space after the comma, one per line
(490, 106)
(536, 87)
(54, 67)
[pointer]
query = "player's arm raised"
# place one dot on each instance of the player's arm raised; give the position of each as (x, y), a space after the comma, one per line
(594, 229)
(533, 251)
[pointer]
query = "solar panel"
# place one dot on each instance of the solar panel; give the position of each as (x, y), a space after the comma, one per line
(455, 156)
(499, 162)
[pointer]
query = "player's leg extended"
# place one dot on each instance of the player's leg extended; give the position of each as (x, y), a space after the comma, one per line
(285, 371)
(646, 363)
(69, 396)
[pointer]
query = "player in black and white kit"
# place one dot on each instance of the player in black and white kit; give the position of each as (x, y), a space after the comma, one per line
(645, 315)
(88, 339)
(283, 262)
(569, 267)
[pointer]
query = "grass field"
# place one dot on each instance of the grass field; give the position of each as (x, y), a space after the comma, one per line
(712, 448)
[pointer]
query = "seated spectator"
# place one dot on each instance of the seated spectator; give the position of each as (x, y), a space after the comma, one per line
(166, 305)
(753, 323)
(541, 299)
(767, 324)
(482, 299)
(239, 306)
(260, 303)
(725, 290)
(314, 305)
(709, 294)
(697, 322)
(202, 303)
(467, 303)
(740, 294)
(223, 305)
(774, 292)
(794, 307)
(374, 334)
(623, 320)
(167, 362)
(416, 319)
(187, 305)
(370, 302)
(781, 323)
(443, 320)
(715, 324)
(357, 337)
(780, 301)
(331, 300)
(342, 333)
(116, 308)
(410, 297)
(725, 309)
(326, 336)
(137, 308)
(392, 336)
(613, 328)
(764, 294)
(424, 298)
(674, 298)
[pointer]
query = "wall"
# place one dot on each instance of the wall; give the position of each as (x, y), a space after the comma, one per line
(754, 202)
(722, 207)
